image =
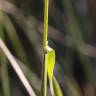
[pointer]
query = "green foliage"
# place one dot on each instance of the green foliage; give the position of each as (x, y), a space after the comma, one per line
(3, 62)
(50, 63)
(32, 30)
(57, 89)
(49, 59)
(11, 31)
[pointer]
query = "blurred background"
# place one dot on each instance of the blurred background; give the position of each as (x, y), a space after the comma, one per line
(72, 26)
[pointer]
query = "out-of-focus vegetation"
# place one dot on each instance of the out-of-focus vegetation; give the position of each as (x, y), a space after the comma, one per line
(72, 26)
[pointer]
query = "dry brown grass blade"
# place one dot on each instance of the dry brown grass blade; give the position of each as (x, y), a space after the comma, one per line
(16, 67)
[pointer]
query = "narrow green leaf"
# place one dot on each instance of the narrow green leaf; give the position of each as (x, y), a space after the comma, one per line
(54, 86)
(57, 89)
(14, 38)
(4, 75)
(50, 61)
(77, 39)
(3, 63)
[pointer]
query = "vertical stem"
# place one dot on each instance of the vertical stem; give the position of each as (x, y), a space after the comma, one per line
(46, 4)
(44, 77)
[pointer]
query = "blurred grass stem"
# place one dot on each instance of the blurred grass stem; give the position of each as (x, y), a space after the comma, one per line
(16, 68)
